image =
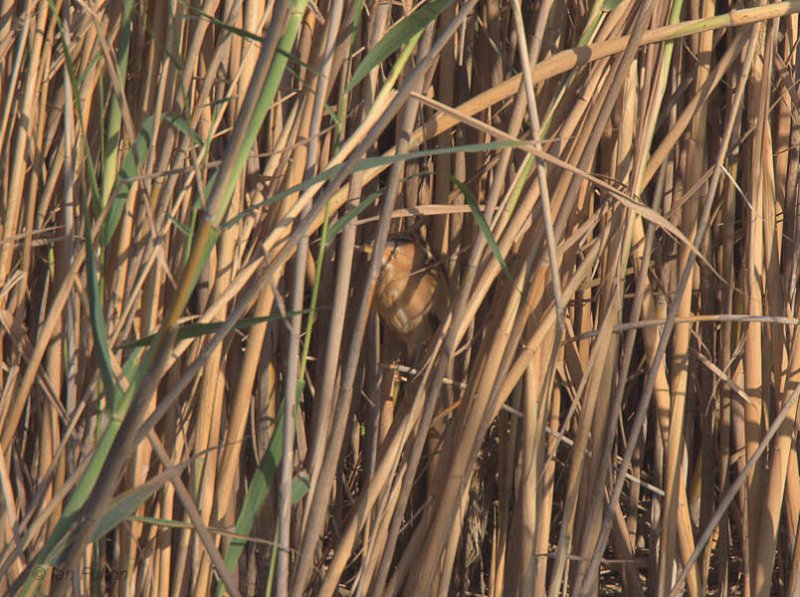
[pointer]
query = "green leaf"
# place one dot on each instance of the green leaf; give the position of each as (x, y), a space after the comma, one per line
(257, 490)
(344, 97)
(367, 164)
(194, 330)
(516, 190)
(124, 505)
(482, 224)
(398, 35)
(332, 115)
(180, 123)
(353, 213)
(129, 170)
(93, 290)
(162, 522)
(300, 486)
(245, 34)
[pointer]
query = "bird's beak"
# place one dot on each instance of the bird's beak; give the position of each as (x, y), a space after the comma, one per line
(366, 249)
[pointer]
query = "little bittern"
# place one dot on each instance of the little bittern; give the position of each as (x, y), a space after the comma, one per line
(411, 290)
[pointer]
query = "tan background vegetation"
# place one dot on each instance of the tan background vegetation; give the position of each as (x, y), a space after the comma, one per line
(191, 194)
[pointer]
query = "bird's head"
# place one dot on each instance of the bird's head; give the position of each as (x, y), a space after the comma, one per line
(400, 248)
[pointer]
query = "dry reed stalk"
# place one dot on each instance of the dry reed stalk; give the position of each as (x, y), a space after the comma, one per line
(635, 167)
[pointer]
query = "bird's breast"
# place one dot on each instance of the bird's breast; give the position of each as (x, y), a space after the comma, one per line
(404, 301)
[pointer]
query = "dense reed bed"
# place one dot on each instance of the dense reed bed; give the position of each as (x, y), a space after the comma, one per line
(198, 397)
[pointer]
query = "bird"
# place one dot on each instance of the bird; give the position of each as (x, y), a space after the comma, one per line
(411, 293)
(411, 290)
